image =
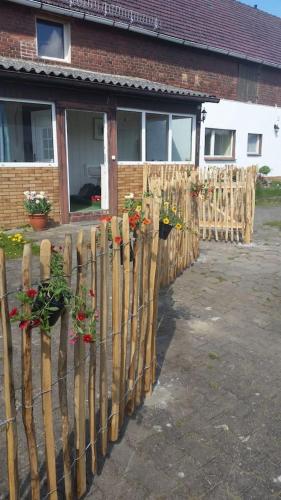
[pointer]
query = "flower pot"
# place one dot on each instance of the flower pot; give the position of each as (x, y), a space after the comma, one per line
(58, 303)
(164, 230)
(38, 221)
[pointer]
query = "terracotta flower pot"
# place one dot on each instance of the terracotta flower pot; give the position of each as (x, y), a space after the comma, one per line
(38, 221)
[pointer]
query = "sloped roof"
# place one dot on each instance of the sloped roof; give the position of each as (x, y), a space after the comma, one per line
(102, 80)
(226, 26)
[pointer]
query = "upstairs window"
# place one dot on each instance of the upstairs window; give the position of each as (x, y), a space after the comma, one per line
(254, 144)
(219, 143)
(52, 40)
(26, 133)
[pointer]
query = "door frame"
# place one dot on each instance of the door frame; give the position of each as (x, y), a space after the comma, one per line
(104, 167)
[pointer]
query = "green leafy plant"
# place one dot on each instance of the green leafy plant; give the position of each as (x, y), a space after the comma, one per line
(47, 302)
(37, 203)
(13, 244)
(265, 170)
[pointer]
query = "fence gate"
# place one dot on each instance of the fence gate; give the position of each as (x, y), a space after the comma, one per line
(227, 205)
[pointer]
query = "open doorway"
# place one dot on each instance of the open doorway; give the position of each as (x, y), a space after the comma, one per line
(87, 161)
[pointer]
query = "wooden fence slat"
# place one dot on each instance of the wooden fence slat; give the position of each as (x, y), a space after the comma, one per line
(80, 379)
(116, 333)
(62, 375)
(103, 334)
(9, 393)
(46, 383)
(150, 340)
(93, 356)
(134, 326)
(144, 304)
(125, 314)
(27, 392)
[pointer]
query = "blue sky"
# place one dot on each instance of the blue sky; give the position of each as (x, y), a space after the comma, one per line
(272, 6)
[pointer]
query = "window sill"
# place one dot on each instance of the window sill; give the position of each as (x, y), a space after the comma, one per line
(219, 158)
(254, 154)
(56, 59)
(23, 165)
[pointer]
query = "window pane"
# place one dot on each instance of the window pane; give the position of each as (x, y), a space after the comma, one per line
(223, 143)
(254, 143)
(181, 138)
(208, 135)
(50, 39)
(26, 132)
(129, 136)
(157, 127)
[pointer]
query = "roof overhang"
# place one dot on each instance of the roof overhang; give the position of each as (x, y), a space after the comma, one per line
(115, 83)
(84, 15)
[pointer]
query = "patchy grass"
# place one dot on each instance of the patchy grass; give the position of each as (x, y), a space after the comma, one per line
(274, 223)
(269, 195)
(13, 244)
(214, 386)
(213, 355)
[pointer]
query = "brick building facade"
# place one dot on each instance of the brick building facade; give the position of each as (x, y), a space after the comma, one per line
(75, 85)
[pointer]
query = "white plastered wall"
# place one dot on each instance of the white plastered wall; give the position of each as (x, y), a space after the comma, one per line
(246, 118)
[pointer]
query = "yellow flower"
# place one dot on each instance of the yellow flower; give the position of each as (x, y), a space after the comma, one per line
(138, 208)
(166, 220)
(178, 226)
(166, 204)
(174, 209)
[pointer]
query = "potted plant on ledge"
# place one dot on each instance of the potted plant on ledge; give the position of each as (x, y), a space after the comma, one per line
(38, 207)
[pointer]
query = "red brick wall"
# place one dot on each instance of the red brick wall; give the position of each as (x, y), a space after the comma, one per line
(14, 181)
(130, 180)
(101, 48)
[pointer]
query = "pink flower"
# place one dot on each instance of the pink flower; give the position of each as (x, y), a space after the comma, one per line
(97, 315)
(73, 340)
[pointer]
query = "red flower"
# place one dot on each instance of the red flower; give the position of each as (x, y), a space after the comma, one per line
(31, 293)
(118, 240)
(81, 316)
(92, 293)
(106, 218)
(35, 323)
(87, 338)
(146, 221)
(24, 324)
(13, 312)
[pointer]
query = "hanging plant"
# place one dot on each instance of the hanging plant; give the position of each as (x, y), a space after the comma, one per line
(169, 218)
(203, 189)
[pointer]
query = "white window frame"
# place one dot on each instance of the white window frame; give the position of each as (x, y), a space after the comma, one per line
(66, 39)
(22, 164)
(212, 155)
(143, 137)
(259, 152)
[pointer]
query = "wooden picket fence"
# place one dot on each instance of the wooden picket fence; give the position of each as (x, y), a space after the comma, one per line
(78, 417)
(227, 213)
(172, 183)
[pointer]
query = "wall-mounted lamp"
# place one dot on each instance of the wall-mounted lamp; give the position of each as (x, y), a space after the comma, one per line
(203, 115)
(276, 128)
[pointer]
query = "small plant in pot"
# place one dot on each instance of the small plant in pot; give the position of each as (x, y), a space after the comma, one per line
(169, 219)
(47, 303)
(38, 207)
